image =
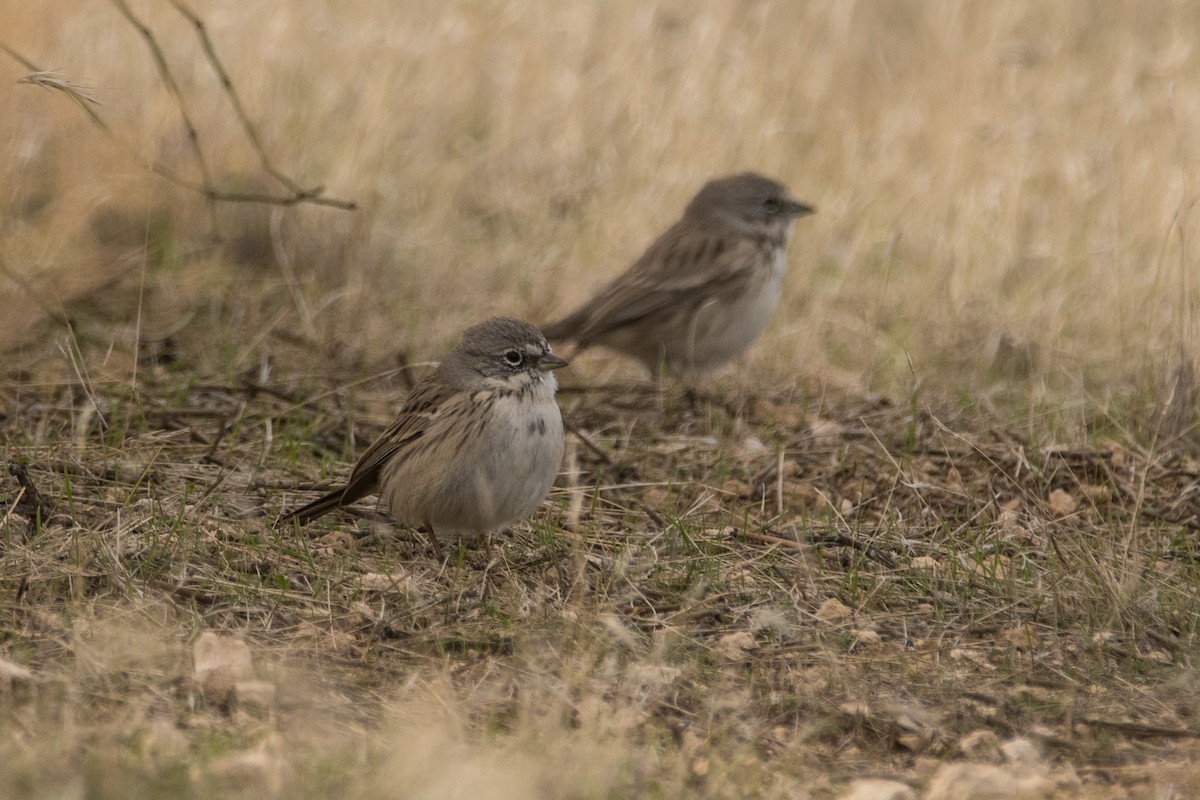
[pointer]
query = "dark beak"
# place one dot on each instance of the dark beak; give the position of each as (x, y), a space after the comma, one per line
(549, 361)
(797, 209)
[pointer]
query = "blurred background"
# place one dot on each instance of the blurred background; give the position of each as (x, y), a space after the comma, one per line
(1006, 191)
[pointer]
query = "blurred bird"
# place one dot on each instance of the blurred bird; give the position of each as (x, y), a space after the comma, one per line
(703, 291)
(477, 444)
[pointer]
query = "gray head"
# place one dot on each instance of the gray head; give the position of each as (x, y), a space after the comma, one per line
(747, 200)
(504, 349)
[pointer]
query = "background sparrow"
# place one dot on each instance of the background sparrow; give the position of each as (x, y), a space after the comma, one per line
(476, 446)
(702, 292)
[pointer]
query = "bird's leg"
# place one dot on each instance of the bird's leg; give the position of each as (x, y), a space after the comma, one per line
(487, 545)
(433, 541)
(486, 582)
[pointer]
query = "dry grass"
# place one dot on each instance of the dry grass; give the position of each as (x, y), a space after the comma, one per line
(1005, 197)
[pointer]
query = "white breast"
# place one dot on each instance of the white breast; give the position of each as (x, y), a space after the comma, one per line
(499, 474)
(725, 326)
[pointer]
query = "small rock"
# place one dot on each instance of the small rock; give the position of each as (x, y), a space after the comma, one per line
(656, 497)
(963, 781)
(865, 638)
(262, 770)
(254, 695)
(802, 494)
(642, 676)
(1061, 503)
(924, 563)
(1022, 754)
(878, 789)
(750, 448)
(855, 709)
(334, 543)
(1095, 492)
(833, 609)
(734, 646)
(736, 488)
(1161, 656)
(960, 781)
(366, 613)
(220, 662)
(1009, 518)
(789, 416)
(824, 432)
(380, 582)
(1022, 637)
(981, 745)
(1066, 782)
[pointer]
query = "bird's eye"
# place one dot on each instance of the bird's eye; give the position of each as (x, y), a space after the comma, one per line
(513, 358)
(772, 205)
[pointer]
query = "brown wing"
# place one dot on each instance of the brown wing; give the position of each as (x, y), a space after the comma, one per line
(685, 264)
(421, 406)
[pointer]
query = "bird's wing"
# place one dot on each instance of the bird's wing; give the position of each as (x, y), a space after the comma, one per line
(677, 271)
(423, 404)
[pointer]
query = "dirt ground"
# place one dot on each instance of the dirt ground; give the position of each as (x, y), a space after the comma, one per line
(934, 536)
(744, 596)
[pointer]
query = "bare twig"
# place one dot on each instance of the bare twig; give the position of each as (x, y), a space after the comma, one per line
(22, 60)
(768, 539)
(164, 73)
(227, 84)
(82, 97)
(30, 503)
(79, 95)
(596, 449)
(1140, 730)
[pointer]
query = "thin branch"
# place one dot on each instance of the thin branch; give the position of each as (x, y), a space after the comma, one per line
(80, 95)
(596, 449)
(29, 502)
(312, 196)
(227, 84)
(164, 73)
(1138, 729)
(46, 79)
(20, 59)
(83, 98)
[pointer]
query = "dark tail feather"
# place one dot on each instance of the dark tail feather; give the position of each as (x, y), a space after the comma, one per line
(317, 508)
(565, 330)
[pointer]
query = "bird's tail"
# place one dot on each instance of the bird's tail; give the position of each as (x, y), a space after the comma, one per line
(570, 330)
(564, 330)
(317, 508)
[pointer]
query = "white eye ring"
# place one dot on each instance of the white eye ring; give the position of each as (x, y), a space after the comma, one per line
(513, 358)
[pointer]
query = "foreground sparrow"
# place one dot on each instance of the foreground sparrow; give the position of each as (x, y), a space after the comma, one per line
(702, 292)
(478, 442)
